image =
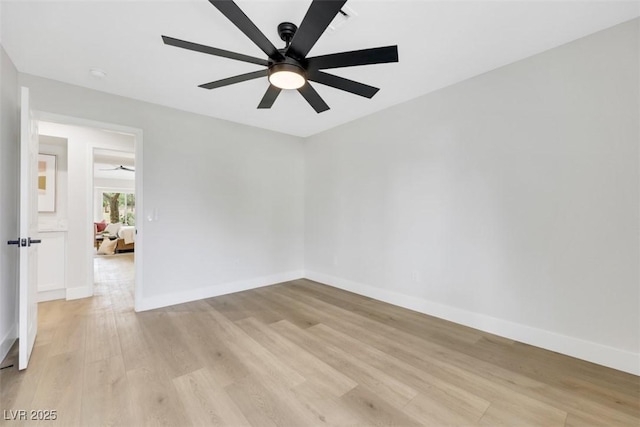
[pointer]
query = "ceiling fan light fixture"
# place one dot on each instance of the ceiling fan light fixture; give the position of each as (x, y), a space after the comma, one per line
(287, 76)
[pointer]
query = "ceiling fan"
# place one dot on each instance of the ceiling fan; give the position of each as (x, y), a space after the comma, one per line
(119, 168)
(289, 67)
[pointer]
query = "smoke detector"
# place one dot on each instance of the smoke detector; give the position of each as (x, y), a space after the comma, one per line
(97, 73)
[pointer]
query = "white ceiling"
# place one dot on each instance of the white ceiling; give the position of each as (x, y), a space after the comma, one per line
(106, 161)
(440, 43)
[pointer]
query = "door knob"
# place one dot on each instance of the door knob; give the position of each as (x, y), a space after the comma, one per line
(24, 242)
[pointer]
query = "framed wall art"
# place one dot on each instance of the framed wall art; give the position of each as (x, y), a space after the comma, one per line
(46, 183)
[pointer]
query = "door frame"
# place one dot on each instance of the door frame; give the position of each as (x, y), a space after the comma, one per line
(138, 150)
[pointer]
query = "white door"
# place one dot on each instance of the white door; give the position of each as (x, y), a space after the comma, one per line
(28, 306)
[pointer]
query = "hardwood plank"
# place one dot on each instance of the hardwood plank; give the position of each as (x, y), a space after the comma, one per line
(258, 360)
(136, 351)
(242, 305)
(102, 340)
(70, 335)
(58, 387)
(17, 388)
(187, 307)
(56, 312)
(327, 408)
(438, 394)
(375, 410)
(299, 318)
(156, 402)
(263, 407)
(280, 404)
(589, 419)
(46, 334)
(381, 311)
(439, 408)
(533, 413)
(310, 367)
(168, 344)
(210, 348)
(206, 402)
(437, 330)
(615, 390)
(383, 384)
(106, 396)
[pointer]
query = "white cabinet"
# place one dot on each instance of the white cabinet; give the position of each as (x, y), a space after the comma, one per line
(52, 265)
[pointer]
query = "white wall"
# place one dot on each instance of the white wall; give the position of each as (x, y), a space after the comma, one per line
(508, 202)
(123, 184)
(9, 170)
(226, 200)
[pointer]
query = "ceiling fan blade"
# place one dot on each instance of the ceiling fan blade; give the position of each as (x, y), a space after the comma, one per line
(317, 19)
(376, 55)
(213, 51)
(235, 79)
(343, 84)
(313, 98)
(269, 97)
(118, 168)
(234, 14)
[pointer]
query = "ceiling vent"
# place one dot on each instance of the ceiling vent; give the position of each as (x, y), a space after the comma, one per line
(345, 15)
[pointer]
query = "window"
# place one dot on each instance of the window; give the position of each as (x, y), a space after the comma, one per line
(119, 207)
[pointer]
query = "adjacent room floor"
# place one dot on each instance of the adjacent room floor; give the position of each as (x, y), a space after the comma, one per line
(114, 271)
(296, 354)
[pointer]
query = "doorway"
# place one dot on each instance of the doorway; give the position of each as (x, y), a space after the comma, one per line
(114, 215)
(92, 146)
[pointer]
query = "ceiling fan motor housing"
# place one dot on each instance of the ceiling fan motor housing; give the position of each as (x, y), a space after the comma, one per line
(286, 31)
(287, 64)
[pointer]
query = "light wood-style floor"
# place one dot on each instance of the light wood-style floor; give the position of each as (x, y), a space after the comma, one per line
(296, 354)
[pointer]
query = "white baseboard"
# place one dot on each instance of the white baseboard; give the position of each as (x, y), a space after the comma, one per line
(51, 287)
(79, 292)
(590, 351)
(51, 294)
(217, 290)
(7, 341)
